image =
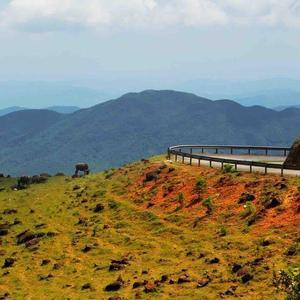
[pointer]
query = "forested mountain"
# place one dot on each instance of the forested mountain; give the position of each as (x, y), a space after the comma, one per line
(134, 126)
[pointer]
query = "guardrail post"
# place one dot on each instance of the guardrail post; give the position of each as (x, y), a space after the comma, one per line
(169, 155)
(183, 158)
(199, 162)
(191, 152)
(266, 170)
(284, 152)
(231, 150)
(210, 164)
(235, 166)
(266, 152)
(249, 151)
(222, 165)
(281, 173)
(202, 150)
(251, 167)
(217, 150)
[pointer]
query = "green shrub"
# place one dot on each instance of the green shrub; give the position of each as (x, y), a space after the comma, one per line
(228, 168)
(208, 203)
(289, 282)
(201, 184)
(249, 209)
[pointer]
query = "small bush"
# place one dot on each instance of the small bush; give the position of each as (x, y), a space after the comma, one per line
(249, 209)
(288, 281)
(228, 168)
(208, 203)
(201, 184)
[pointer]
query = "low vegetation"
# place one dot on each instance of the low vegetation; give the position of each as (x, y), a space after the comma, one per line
(150, 230)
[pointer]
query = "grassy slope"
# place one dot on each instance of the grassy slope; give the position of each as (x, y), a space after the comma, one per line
(166, 238)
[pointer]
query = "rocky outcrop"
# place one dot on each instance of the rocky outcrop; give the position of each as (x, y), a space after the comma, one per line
(293, 159)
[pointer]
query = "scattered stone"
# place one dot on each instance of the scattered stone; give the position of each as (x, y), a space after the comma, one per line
(115, 286)
(25, 236)
(86, 249)
(150, 288)
(76, 187)
(266, 242)
(183, 280)
(271, 200)
(230, 291)
(86, 286)
(245, 197)
(8, 263)
(151, 176)
(10, 211)
(214, 260)
(203, 282)
(45, 277)
(246, 277)
(291, 251)
(164, 278)
(235, 268)
(45, 262)
(3, 232)
(117, 265)
(137, 284)
(99, 207)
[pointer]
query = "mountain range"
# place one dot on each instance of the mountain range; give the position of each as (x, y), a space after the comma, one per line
(59, 109)
(134, 126)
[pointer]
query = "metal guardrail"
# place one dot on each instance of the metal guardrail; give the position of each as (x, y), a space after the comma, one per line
(186, 151)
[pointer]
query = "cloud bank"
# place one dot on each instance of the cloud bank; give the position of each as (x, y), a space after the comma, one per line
(59, 15)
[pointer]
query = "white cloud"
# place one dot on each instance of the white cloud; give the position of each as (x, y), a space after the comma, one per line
(50, 15)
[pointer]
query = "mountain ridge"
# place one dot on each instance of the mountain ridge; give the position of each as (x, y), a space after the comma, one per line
(137, 125)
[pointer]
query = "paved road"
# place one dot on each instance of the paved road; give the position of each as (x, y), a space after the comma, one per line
(261, 158)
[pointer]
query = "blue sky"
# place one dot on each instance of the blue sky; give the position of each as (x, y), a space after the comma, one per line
(163, 40)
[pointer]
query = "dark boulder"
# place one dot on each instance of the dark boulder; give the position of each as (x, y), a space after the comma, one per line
(115, 286)
(99, 207)
(245, 197)
(25, 236)
(8, 263)
(293, 159)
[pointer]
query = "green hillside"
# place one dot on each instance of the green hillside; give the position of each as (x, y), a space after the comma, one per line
(181, 233)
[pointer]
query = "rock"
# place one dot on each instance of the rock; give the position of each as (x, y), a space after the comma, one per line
(164, 278)
(245, 197)
(45, 262)
(25, 236)
(151, 176)
(171, 169)
(86, 286)
(291, 251)
(115, 286)
(183, 280)
(3, 232)
(150, 288)
(266, 242)
(76, 187)
(114, 298)
(293, 159)
(86, 249)
(230, 291)
(8, 263)
(117, 265)
(2, 190)
(214, 260)
(273, 202)
(99, 207)
(4, 296)
(280, 185)
(10, 211)
(137, 284)
(235, 268)
(246, 277)
(203, 282)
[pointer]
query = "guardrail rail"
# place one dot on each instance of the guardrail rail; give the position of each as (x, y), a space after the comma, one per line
(187, 151)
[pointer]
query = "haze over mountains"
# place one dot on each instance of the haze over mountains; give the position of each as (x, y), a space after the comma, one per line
(134, 126)
(271, 93)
